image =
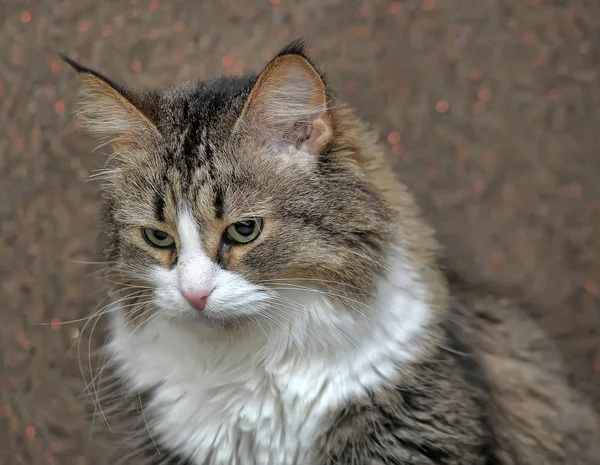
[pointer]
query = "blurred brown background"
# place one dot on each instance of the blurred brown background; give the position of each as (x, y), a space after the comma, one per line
(489, 108)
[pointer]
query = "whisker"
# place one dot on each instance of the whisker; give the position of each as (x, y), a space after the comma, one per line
(83, 262)
(128, 285)
(78, 320)
(318, 317)
(146, 423)
(302, 350)
(337, 283)
(91, 371)
(140, 304)
(90, 387)
(338, 297)
(260, 326)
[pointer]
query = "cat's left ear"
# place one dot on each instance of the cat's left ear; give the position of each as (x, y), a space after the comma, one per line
(112, 111)
(288, 107)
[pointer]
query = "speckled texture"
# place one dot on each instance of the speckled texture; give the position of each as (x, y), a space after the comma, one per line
(491, 110)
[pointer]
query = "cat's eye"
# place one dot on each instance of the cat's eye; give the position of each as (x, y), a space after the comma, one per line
(158, 238)
(244, 232)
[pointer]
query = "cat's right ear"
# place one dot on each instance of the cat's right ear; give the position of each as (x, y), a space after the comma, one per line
(287, 110)
(110, 110)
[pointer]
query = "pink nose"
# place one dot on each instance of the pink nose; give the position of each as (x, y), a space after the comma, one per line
(196, 299)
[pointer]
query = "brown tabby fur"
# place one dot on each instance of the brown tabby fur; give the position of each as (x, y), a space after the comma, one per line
(489, 388)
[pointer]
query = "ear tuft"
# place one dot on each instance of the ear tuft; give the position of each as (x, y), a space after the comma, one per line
(110, 110)
(297, 47)
(288, 105)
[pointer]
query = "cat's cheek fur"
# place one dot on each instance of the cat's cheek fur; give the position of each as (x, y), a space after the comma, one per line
(166, 292)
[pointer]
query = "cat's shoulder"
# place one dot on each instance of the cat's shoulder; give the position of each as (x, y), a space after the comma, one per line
(430, 414)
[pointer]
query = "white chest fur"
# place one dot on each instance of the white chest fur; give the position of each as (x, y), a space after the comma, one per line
(264, 394)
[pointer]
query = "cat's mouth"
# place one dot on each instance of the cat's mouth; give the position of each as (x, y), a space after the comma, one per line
(211, 320)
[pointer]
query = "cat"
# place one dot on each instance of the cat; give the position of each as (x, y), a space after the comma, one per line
(279, 299)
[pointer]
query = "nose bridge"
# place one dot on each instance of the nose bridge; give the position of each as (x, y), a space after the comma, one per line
(196, 271)
(196, 274)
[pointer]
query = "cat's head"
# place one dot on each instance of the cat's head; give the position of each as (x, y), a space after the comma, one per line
(224, 197)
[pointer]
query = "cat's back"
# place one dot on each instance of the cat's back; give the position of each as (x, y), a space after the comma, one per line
(535, 416)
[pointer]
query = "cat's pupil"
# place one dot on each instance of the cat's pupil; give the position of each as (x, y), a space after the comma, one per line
(245, 228)
(160, 235)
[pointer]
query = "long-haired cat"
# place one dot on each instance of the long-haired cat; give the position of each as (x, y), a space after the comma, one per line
(277, 297)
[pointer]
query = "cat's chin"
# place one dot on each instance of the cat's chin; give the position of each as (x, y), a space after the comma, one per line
(202, 323)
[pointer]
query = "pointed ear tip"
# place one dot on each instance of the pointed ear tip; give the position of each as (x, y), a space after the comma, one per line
(296, 47)
(299, 48)
(73, 64)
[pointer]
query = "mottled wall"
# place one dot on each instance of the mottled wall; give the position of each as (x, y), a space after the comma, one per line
(490, 110)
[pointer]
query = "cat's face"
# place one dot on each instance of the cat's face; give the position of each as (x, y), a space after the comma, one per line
(227, 197)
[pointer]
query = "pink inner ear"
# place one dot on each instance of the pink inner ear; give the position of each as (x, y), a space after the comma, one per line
(318, 134)
(287, 106)
(124, 140)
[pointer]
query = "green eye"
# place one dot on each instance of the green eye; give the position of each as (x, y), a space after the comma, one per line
(244, 231)
(158, 238)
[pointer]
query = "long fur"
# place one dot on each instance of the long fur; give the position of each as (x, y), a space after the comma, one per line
(333, 337)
